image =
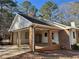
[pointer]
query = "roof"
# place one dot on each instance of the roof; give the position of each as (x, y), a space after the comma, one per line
(22, 21)
(57, 24)
(33, 20)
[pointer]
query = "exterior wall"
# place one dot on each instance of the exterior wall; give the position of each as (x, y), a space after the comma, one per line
(24, 40)
(64, 39)
(15, 37)
(72, 39)
(72, 34)
(44, 39)
(55, 35)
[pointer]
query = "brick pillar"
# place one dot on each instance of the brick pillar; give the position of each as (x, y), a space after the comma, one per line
(64, 39)
(49, 38)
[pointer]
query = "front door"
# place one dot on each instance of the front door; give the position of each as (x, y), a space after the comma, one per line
(38, 38)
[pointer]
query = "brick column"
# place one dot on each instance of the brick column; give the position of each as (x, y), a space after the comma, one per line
(49, 38)
(64, 36)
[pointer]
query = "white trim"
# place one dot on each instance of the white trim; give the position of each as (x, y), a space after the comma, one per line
(44, 39)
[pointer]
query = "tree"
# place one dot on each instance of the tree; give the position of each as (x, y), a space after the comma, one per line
(66, 13)
(28, 9)
(47, 9)
(26, 6)
(6, 15)
(7, 3)
(33, 10)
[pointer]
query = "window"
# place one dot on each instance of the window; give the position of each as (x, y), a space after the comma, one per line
(26, 35)
(52, 36)
(73, 34)
(45, 34)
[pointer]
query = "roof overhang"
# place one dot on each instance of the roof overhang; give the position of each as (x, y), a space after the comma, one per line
(46, 26)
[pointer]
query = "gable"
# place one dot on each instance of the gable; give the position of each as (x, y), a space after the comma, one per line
(19, 22)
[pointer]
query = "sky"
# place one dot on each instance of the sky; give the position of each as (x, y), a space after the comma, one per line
(39, 3)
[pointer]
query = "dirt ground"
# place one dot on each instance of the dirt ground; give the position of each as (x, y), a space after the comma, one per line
(59, 54)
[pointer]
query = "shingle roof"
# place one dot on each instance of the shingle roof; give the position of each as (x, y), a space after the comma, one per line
(33, 20)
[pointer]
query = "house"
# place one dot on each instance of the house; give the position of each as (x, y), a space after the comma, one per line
(28, 30)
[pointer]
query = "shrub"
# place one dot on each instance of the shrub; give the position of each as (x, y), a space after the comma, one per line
(75, 47)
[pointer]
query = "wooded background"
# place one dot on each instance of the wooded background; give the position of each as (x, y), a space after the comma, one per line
(64, 13)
